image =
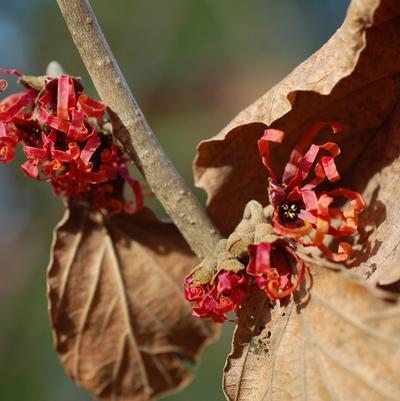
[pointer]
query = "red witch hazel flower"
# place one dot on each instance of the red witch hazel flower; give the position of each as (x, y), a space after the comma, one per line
(61, 131)
(271, 266)
(301, 212)
(215, 299)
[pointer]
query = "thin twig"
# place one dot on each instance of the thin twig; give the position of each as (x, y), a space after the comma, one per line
(135, 133)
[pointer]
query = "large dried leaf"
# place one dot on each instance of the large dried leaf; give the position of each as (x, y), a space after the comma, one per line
(120, 323)
(340, 342)
(355, 79)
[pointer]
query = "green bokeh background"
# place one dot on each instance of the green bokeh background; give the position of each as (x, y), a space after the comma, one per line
(192, 65)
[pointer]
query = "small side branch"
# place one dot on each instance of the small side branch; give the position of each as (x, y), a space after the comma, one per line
(135, 133)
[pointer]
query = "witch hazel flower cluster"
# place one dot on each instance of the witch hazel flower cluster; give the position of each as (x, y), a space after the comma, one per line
(252, 254)
(61, 132)
(301, 213)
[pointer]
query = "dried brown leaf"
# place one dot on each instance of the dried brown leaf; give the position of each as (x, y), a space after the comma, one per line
(340, 342)
(355, 79)
(120, 323)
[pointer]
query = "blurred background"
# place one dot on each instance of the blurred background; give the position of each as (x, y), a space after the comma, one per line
(192, 65)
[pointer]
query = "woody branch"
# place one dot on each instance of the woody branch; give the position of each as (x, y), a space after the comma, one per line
(133, 130)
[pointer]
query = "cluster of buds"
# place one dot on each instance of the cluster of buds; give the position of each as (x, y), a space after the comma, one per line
(262, 249)
(63, 136)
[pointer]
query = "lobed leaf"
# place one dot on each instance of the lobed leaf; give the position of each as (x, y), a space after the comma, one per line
(120, 323)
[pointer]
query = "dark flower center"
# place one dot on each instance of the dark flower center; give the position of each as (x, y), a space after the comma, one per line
(288, 211)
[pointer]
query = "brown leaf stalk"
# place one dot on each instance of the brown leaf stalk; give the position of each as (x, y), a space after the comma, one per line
(135, 134)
